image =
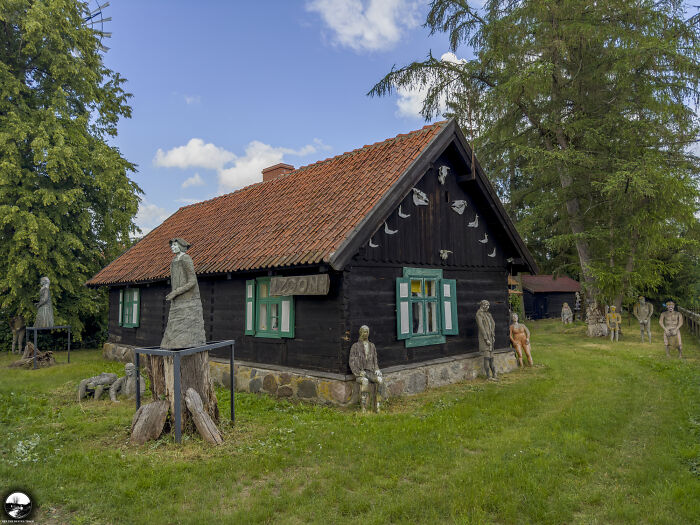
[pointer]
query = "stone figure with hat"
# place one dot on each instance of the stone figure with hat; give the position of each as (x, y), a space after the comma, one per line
(671, 322)
(487, 337)
(363, 363)
(613, 320)
(185, 327)
(643, 312)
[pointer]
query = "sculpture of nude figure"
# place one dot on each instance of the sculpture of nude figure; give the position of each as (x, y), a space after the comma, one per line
(643, 312)
(613, 320)
(520, 337)
(671, 322)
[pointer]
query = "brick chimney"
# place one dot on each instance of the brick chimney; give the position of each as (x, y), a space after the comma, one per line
(276, 171)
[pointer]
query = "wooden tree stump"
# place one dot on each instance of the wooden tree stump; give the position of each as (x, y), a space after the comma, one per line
(43, 359)
(148, 422)
(206, 427)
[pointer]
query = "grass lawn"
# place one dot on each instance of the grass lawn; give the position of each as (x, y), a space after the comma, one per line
(595, 433)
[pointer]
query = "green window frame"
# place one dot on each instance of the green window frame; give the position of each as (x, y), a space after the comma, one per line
(266, 315)
(426, 307)
(129, 307)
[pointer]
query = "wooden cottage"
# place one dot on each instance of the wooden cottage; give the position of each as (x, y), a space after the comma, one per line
(403, 235)
(544, 295)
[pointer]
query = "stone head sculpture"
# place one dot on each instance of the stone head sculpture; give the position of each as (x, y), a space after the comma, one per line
(484, 305)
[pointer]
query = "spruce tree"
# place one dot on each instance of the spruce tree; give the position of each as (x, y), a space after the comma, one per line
(66, 201)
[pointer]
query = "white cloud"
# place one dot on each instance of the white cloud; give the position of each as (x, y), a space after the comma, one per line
(195, 180)
(410, 100)
(367, 25)
(195, 154)
(192, 99)
(149, 216)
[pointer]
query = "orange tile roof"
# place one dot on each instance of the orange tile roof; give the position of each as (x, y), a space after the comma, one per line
(300, 218)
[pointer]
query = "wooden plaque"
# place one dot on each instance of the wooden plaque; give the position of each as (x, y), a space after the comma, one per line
(300, 285)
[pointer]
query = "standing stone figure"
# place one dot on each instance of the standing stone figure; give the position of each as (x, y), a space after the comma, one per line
(613, 320)
(487, 337)
(520, 337)
(577, 307)
(643, 312)
(18, 330)
(185, 321)
(671, 322)
(44, 313)
(567, 316)
(363, 363)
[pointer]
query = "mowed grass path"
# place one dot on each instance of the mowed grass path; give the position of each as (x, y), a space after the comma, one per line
(595, 433)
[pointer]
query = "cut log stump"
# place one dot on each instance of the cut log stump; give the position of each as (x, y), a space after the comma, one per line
(148, 422)
(204, 423)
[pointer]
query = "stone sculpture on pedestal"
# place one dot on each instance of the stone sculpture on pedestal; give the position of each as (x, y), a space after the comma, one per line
(671, 322)
(363, 363)
(487, 337)
(613, 320)
(643, 312)
(520, 337)
(126, 386)
(185, 327)
(44, 312)
(567, 316)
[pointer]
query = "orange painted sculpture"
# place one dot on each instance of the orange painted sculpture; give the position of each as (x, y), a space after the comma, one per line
(520, 337)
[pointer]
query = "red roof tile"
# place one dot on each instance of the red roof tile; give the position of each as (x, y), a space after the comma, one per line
(299, 218)
(547, 283)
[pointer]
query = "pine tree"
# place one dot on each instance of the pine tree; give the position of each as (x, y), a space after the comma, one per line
(582, 113)
(66, 201)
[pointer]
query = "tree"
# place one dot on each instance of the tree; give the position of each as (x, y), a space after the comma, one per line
(66, 201)
(582, 113)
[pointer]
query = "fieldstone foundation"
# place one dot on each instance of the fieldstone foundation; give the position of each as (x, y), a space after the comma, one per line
(338, 389)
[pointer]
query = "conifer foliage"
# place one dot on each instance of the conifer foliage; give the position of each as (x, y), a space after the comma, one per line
(584, 115)
(66, 201)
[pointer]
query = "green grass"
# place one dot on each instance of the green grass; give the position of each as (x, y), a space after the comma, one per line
(595, 433)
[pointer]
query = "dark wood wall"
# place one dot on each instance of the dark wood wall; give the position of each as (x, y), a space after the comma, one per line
(551, 303)
(318, 323)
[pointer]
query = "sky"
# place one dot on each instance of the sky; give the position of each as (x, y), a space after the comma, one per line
(221, 89)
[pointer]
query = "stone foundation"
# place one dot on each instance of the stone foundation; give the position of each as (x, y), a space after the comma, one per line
(337, 389)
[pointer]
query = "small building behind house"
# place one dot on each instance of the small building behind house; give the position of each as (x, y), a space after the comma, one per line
(544, 295)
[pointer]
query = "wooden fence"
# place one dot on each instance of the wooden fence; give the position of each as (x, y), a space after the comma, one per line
(691, 320)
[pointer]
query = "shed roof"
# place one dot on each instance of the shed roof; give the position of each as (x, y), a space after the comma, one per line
(315, 214)
(549, 283)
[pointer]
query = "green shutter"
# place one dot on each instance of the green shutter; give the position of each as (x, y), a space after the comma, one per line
(136, 307)
(250, 307)
(121, 307)
(287, 316)
(403, 308)
(448, 300)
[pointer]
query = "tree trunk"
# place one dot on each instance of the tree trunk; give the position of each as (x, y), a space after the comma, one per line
(194, 373)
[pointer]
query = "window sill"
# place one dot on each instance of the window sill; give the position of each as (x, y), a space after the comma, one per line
(424, 340)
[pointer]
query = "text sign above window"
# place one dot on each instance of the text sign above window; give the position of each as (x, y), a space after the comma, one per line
(300, 285)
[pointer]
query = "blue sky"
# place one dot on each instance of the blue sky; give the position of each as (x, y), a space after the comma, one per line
(224, 89)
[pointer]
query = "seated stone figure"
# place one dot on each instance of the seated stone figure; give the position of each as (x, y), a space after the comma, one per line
(126, 386)
(96, 385)
(567, 316)
(363, 363)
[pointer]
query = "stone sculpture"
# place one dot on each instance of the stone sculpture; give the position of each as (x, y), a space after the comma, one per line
(671, 322)
(577, 305)
(185, 327)
(613, 320)
(44, 312)
(487, 337)
(18, 330)
(643, 312)
(126, 386)
(96, 385)
(520, 337)
(567, 316)
(363, 363)
(596, 321)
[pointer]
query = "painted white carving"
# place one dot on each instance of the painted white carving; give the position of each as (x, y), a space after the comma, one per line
(510, 260)
(372, 245)
(442, 173)
(485, 239)
(389, 231)
(402, 214)
(419, 198)
(493, 253)
(459, 206)
(444, 254)
(475, 222)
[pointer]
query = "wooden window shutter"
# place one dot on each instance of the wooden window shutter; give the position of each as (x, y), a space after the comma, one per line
(287, 316)
(403, 308)
(448, 298)
(136, 301)
(121, 307)
(250, 307)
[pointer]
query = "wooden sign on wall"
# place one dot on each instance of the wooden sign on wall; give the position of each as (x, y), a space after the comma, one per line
(300, 285)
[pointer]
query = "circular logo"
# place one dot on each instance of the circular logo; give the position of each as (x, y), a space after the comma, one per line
(18, 505)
